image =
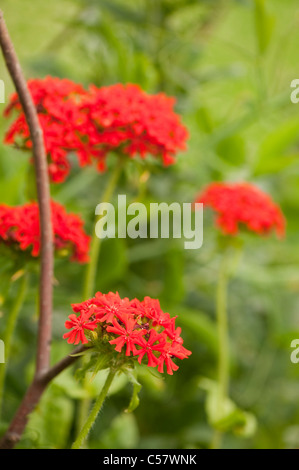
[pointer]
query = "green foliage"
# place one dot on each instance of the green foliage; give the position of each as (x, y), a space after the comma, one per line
(50, 424)
(224, 415)
(135, 395)
(264, 24)
(229, 64)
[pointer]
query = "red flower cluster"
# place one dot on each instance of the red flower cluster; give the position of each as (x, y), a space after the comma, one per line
(125, 119)
(19, 228)
(243, 204)
(121, 118)
(56, 102)
(140, 327)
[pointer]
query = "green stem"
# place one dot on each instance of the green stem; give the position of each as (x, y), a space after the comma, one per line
(10, 327)
(91, 272)
(222, 323)
(223, 341)
(217, 439)
(94, 412)
(89, 283)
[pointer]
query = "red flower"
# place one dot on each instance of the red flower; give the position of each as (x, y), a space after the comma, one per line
(170, 351)
(243, 205)
(155, 342)
(141, 327)
(109, 306)
(173, 332)
(78, 325)
(150, 308)
(119, 118)
(126, 334)
(19, 228)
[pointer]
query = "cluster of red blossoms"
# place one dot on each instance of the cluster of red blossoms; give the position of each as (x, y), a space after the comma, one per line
(140, 327)
(126, 119)
(119, 118)
(20, 229)
(243, 205)
(56, 101)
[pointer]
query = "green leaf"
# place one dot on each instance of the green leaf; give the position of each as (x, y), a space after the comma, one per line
(97, 383)
(278, 149)
(134, 403)
(124, 13)
(122, 434)
(49, 425)
(151, 379)
(264, 25)
(100, 364)
(223, 414)
(70, 386)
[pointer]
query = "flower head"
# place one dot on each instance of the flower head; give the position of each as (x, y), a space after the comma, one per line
(56, 101)
(242, 205)
(126, 119)
(119, 118)
(19, 229)
(131, 327)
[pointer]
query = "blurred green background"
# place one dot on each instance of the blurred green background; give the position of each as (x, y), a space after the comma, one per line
(230, 65)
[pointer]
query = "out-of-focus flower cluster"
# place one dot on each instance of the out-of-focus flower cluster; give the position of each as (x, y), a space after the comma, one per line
(137, 328)
(119, 118)
(57, 102)
(20, 230)
(126, 119)
(242, 205)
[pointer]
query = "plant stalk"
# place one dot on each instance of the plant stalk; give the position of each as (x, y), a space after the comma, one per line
(94, 412)
(223, 341)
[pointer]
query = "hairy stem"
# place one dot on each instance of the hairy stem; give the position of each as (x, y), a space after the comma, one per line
(94, 412)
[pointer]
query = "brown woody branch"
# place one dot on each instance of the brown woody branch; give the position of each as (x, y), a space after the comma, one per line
(46, 257)
(43, 194)
(32, 397)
